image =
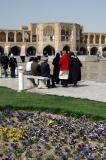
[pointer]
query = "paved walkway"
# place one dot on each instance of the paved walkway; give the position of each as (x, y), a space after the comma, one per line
(86, 89)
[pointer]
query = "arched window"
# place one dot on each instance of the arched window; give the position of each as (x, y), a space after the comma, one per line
(97, 39)
(91, 39)
(26, 37)
(2, 37)
(34, 38)
(85, 39)
(103, 39)
(10, 37)
(48, 33)
(19, 37)
(65, 34)
(62, 35)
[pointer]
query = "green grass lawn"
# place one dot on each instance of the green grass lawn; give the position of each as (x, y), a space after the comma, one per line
(54, 104)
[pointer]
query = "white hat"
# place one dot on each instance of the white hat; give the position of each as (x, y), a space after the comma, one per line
(11, 55)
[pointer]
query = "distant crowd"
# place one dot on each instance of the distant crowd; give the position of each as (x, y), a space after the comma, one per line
(66, 69)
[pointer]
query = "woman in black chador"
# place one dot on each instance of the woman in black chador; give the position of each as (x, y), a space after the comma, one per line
(75, 69)
(56, 68)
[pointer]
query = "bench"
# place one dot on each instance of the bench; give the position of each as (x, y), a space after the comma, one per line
(36, 81)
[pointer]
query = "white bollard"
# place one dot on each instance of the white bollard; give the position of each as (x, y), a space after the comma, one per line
(20, 79)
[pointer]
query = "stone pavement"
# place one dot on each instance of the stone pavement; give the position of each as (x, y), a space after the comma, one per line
(86, 89)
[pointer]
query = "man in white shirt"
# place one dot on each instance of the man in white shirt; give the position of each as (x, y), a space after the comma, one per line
(28, 66)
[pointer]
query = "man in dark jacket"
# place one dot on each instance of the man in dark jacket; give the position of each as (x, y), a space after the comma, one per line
(45, 71)
(12, 65)
(35, 67)
(4, 62)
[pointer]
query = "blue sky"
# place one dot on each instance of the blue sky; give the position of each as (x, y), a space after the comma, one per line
(89, 13)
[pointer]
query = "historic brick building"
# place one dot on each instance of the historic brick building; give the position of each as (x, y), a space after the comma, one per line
(49, 38)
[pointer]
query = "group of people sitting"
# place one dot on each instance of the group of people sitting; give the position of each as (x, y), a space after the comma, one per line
(66, 69)
(8, 62)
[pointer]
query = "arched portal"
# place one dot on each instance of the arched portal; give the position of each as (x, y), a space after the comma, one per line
(93, 51)
(66, 48)
(15, 50)
(48, 51)
(31, 51)
(1, 50)
(104, 52)
(83, 51)
(104, 49)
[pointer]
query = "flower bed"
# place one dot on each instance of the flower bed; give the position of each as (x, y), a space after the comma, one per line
(44, 136)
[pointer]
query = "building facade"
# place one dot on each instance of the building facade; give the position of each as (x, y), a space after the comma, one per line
(94, 42)
(48, 38)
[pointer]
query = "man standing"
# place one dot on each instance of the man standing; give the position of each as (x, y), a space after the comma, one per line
(12, 65)
(5, 61)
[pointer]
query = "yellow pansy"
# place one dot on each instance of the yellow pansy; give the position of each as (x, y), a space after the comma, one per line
(50, 122)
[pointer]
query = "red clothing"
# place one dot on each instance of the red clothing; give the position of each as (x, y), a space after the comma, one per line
(64, 62)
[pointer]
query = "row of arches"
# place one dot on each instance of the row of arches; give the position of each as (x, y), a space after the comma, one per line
(48, 50)
(26, 36)
(93, 51)
(94, 39)
(11, 36)
(30, 51)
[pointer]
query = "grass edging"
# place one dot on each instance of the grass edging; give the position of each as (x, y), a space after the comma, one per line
(51, 103)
